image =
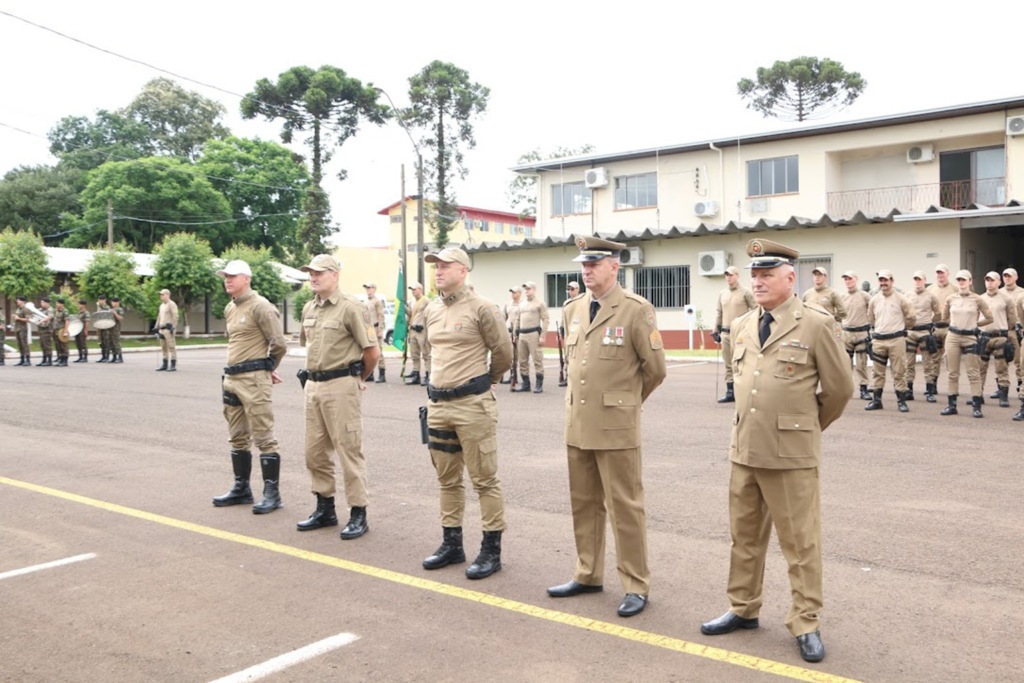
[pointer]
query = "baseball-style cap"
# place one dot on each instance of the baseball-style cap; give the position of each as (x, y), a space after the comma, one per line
(573, 285)
(942, 268)
(963, 275)
(768, 254)
(322, 262)
(415, 285)
(732, 270)
(992, 275)
(368, 285)
(236, 267)
(529, 284)
(919, 275)
(165, 291)
(593, 248)
(449, 255)
(820, 270)
(849, 274)
(1010, 271)
(884, 273)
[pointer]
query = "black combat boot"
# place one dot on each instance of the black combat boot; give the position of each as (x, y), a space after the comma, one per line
(174, 366)
(951, 408)
(426, 378)
(489, 559)
(47, 361)
(977, 401)
(995, 394)
(413, 377)
(324, 515)
(930, 390)
(909, 394)
(270, 463)
(450, 552)
(865, 395)
(1004, 397)
(118, 358)
(729, 396)
(563, 382)
(876, 400)
(380, 376)
(1019, 416)
(163, 366)
(901, 401)
(240, 493)
(105, 357)
(3, 361)
(63, 361)
(970, 401)
(21, 361)
(81, 357)
(357, 524)
(506, 380)
(524, 384)
(539, 386)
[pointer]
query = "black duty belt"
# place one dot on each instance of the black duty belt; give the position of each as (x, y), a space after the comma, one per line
(966, 333)
(325, 375)
(921, 328)
(996, 333)
(862, 328)
(250, 366)
(417, 328)
(725, 330)
(889, 335)
(527, 330)
(477, 385)
(941, 326)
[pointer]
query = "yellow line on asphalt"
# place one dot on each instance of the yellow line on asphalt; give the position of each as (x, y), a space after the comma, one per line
(645, 637)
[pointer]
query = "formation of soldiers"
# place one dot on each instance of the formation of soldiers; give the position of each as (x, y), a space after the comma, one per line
(891, 327)
(54, 324)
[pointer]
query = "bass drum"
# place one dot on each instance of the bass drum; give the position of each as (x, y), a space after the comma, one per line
(103, 320)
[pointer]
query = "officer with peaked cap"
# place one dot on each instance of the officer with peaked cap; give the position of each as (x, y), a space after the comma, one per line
(782, 352)
(615, 360)
(733, 301)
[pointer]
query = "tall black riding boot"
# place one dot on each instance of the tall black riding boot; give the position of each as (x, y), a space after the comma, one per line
(450, 552)
(901, 401)
(174, 365)
(270, 464)
(909, 394)
(324, 515)
(240, 493)
(951, 408)
(524, 383)
(380, 376)
(539, 386)
(163, 366)
(930, 390)
(977, 401)
(729, 396)
(876, 400)
(489, 559)
(1004, 397)
(357, 525)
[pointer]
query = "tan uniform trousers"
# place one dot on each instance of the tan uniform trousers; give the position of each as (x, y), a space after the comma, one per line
(334, 424)
(530, 349)
(253, 420)
(380, 345)
(790, 498)
(963, 347)
(419, 350)
(167, 345)
(933, 361)
(891, 353)
(464, 436)
(915, 344)
(609, 482)
(727, 354)
(995, 352)
(856, 349)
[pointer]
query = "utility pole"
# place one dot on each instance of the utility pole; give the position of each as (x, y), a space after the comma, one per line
(404, 245)
(110, 225)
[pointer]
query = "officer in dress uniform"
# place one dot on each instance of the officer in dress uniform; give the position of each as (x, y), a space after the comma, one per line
(855, 330)
(82, 338)
(616, 360)
(470, 351)
(965, 312)
(419, 349)
(783, 352)
(824, 296)
(256, 345)
(998, 332)
(733, 301)
(891, 314)
(21, 318)
(116, 356)
(59, 325)
(342, 350)
(531, 328)
(377, 318)
(46, 333)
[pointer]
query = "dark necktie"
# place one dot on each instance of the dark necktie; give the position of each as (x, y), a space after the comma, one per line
(594, 305)
(766, 327)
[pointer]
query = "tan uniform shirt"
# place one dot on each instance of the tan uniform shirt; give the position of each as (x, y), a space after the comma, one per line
(827, 298)
(892, 313)
(856, 304)
(1004, 315)
(780, 410)
(254, 329)
(533, 314)
(463, 329)
(418, 313)
(377, 320)
(335, 331)
(169, 314)
(614, 363)
(926, 307)
(967, 311)
(511, 312)
(732, 303)
(942, 293)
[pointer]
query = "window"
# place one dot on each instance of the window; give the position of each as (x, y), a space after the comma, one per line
(975, 176)
(773, 176)
(484, 225)
(664, 287)
(499, 228)
(636, 191)
(569, 198)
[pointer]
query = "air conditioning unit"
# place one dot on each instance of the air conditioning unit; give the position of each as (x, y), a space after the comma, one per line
(596, 177)
(633, 256)
(706, 209)
(920, 154)
(1015, 126)
(712, 262)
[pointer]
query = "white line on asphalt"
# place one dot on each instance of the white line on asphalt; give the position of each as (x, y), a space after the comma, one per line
(272, 666)
(48, 565)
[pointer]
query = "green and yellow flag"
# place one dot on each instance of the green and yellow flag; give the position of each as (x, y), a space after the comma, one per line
(398, 338)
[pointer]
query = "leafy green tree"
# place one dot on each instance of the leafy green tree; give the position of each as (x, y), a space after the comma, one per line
(443, 104)
(23, 268)
(35, 197)
(179, 121)
(152, 198)
(264, 183)
(184, 265)
(301, 297)
(111, 136)
(112, 273)
(265, 277)
(522, 191)
(329, 104)
(802, 88)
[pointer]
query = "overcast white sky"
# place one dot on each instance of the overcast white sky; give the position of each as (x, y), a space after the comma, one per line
(619, 76)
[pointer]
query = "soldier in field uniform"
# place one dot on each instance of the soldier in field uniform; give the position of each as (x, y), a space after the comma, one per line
(21, 318)
(82, 338)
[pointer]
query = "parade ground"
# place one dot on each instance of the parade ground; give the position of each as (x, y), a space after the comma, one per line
(115, 566)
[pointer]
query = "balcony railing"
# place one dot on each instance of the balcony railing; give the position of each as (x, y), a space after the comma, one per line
(958, 194)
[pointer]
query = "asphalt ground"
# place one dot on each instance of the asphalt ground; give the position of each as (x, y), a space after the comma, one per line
(110, 469)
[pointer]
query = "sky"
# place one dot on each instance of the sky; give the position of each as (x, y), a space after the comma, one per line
(620, 77)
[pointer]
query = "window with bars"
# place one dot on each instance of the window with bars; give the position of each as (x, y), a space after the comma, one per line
(664, 286)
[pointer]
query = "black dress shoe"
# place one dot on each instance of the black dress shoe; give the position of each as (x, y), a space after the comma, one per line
(567, 590)
(632, 605)
(811, 647)
(727, 623)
